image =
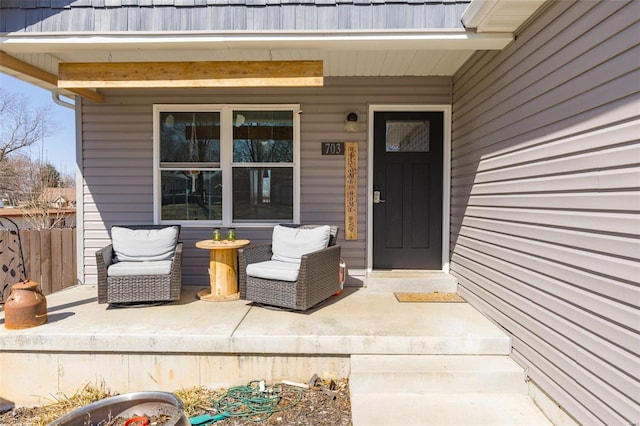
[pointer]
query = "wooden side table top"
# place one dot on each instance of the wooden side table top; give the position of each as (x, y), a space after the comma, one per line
(221, 245)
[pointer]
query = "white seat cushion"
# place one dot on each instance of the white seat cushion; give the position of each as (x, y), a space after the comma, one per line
(121, 269)
(274, 270)
(143, 245)
(289, 244)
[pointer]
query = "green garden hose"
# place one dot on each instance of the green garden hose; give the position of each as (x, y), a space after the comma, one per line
(255, 402)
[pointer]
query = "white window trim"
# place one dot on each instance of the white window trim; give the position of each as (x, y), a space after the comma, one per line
(226, 160)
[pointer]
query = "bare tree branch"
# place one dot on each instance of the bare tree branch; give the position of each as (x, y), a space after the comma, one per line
(13, 182)
(21, 125)
(40, 209)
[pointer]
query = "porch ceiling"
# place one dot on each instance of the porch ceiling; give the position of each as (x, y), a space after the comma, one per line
(411, 53)
(490, 25)
(370, 55)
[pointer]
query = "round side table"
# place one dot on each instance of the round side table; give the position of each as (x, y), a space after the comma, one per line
(223, 276)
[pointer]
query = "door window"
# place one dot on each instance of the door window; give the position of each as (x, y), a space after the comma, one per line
(407, 136)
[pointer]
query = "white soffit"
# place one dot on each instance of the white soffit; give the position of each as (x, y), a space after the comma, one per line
(487, 16)
(344, 53)
(342, 63)
(455, 39)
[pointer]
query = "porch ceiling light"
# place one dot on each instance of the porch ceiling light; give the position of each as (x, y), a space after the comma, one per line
(351, 122)
(190, 74)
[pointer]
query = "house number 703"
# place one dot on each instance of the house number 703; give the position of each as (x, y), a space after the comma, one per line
(332, 148)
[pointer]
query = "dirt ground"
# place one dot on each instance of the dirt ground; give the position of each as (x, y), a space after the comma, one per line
(326, 403)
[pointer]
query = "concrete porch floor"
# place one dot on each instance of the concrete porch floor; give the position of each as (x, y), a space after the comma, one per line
(355, 322)
(199, 343)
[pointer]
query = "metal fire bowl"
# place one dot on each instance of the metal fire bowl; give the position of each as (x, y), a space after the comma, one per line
(137, 403)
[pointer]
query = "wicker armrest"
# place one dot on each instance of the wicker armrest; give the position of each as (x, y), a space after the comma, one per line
(104, 258)
(176, 273)
(321, 259)
(318, 278)
(247, 256)
(177, 257)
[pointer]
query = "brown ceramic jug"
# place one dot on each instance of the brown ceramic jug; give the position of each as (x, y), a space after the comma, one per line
(26, 306)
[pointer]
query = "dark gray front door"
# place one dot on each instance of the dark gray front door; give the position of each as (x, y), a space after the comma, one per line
(407, 184)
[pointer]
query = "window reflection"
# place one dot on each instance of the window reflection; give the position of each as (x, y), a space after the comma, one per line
(262, 136)
(261, 193)
(192, 137)
(191, 195)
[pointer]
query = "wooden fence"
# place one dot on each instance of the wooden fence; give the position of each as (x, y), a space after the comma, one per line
(49, 255)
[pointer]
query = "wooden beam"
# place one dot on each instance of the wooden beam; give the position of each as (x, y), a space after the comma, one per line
(89, 94)
(191, 74)
(9, 62)
(14, 64)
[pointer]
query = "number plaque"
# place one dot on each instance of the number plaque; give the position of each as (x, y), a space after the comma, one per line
(332, 148)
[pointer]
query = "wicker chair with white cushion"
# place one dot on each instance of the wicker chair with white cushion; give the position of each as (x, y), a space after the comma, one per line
(143, 264)
(298, 270)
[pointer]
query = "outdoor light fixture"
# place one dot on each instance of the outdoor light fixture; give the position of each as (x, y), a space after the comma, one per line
(351, 124)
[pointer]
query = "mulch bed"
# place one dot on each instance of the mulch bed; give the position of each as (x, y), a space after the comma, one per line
(326, 402)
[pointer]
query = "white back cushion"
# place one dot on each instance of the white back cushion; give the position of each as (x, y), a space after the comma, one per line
(289, 244)
(143, 245)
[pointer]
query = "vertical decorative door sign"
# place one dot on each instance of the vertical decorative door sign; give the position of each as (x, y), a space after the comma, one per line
(351, 191)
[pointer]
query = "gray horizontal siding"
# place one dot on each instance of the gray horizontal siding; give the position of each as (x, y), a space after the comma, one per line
(546, 201)
(118, 149)
(228, 15)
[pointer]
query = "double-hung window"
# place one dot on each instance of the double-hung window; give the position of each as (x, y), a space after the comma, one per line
(226, 164)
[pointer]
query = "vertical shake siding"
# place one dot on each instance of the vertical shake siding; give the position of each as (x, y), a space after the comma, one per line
(224, 15)
(118, 157)
(545, 202)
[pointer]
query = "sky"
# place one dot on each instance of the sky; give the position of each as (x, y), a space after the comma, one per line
(58, 149)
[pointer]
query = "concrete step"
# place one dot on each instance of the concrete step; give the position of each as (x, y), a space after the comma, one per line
(440, 390)
(411, 282)
(428, 374)
(494, 409)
